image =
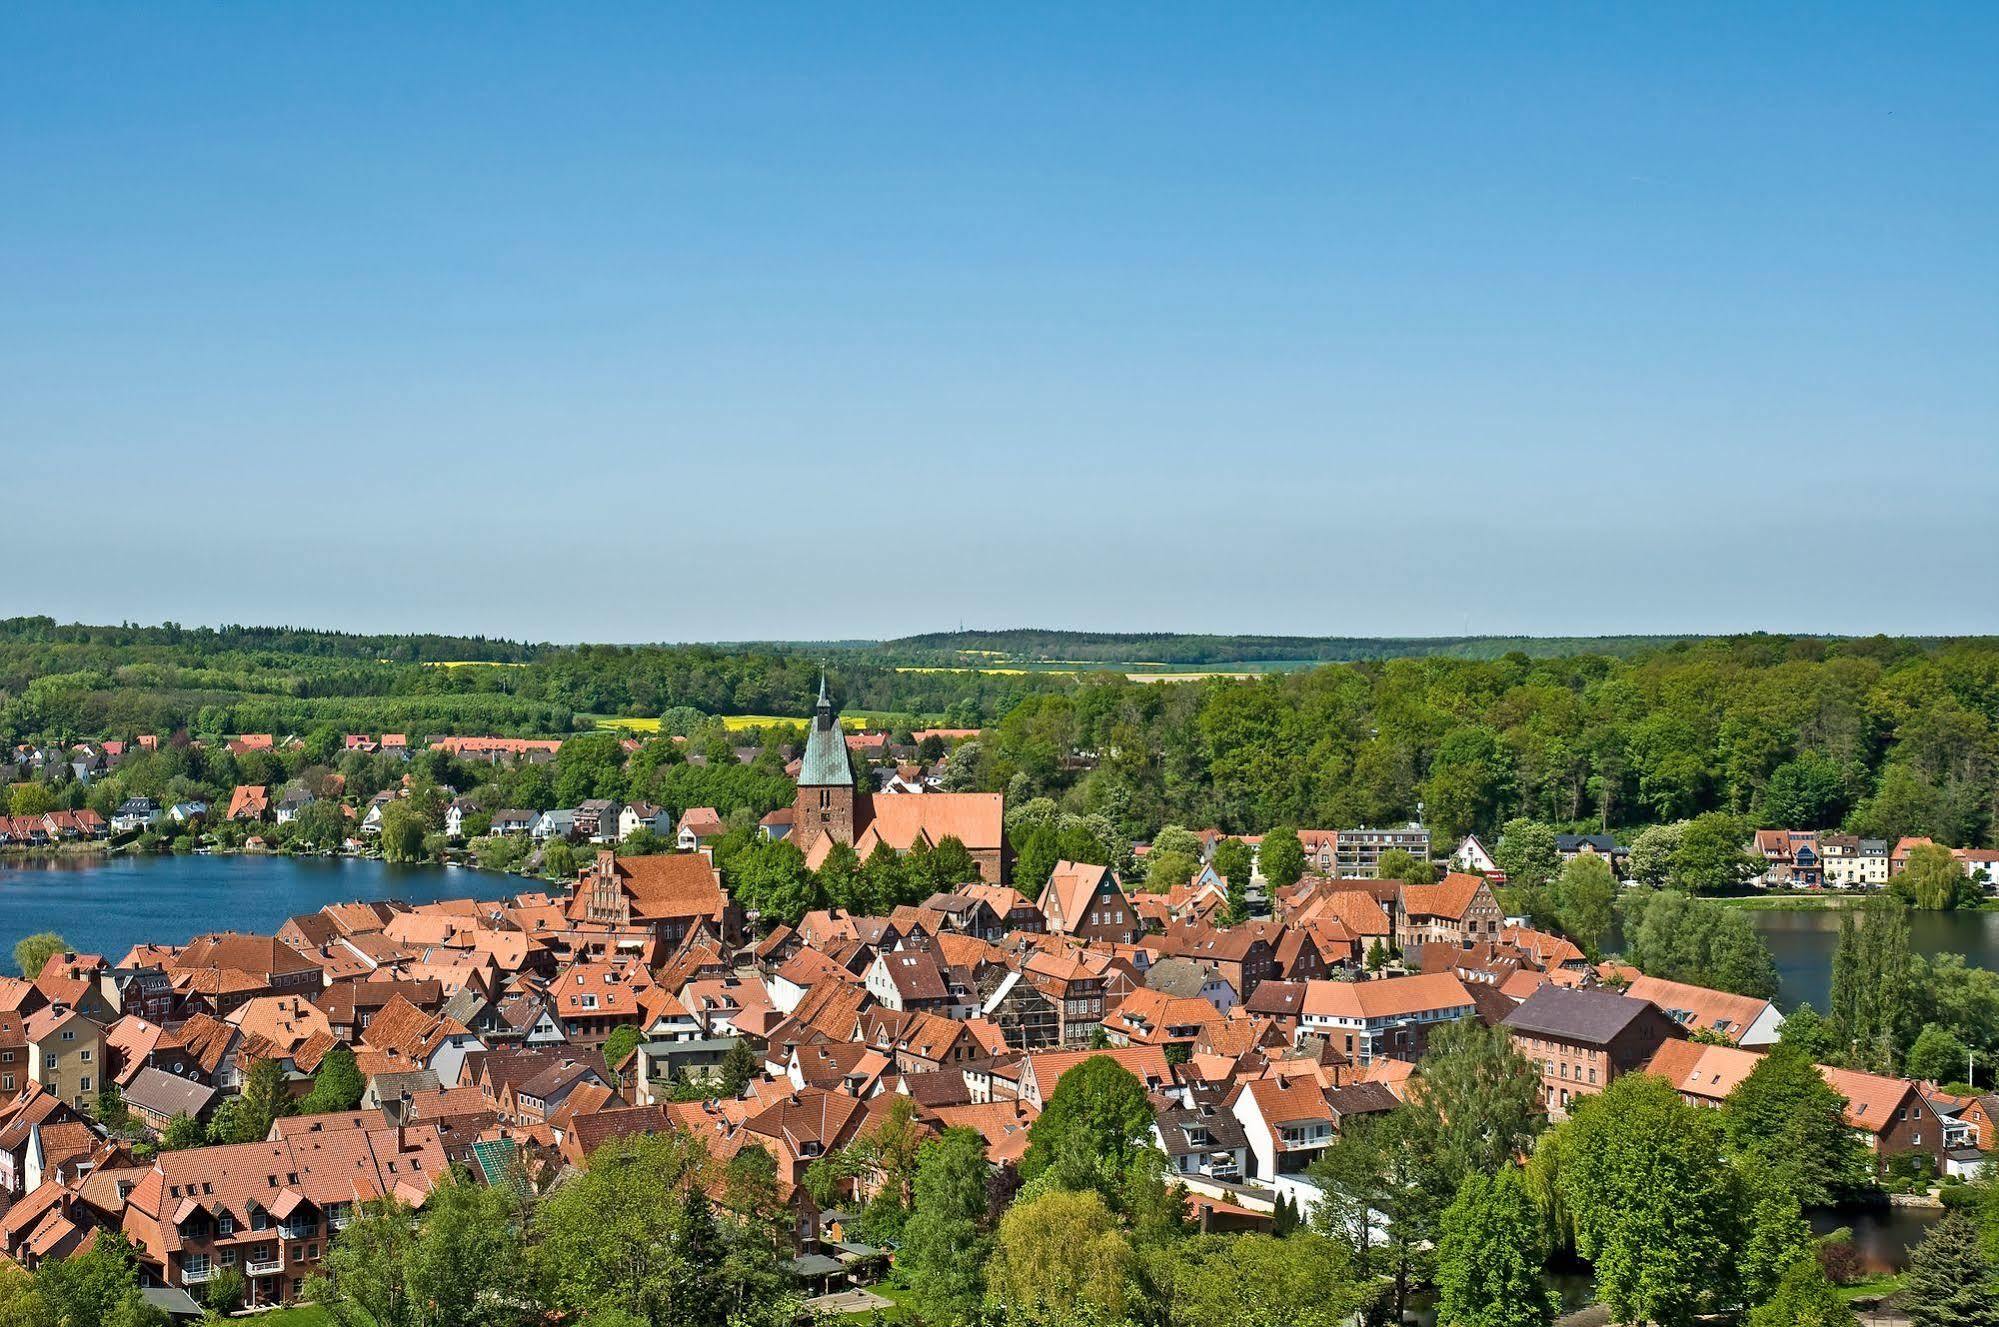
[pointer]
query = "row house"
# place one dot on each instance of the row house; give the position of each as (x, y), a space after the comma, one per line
(1890, 1115)
(1568, 847)
(1078, 993)
(1153, 1018)
(1203, 1138)
(1458, 910)
(1027, 1016)
(1790, 859)
(669, 895)
(1847, 861)
(1288, 1120)
(1086, 901)
(1391, 1018)
(269, 1210)
(1741, 1020)
(1358, 852)
(1580, 1040)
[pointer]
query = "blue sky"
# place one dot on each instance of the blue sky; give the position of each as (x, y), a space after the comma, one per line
(670, 322)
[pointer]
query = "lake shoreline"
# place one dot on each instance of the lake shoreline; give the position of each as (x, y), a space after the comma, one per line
(107, 903)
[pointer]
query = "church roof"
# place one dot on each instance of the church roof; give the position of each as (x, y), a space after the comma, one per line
(825, 764)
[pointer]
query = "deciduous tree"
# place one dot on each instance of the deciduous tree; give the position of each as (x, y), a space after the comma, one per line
(1652, 1196)
(1490, 1256)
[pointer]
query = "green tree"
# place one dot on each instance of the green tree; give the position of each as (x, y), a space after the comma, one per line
(1809, 792)
(1372, 1202)
(1174, 838)
(559, 860)
(1584, 895)
(1778, 1236)
(1401, 864)
(32, 799)
(1232, 860)
(32, 953)
(635, 1232)
(621, 1042)
(1950, 1281)
(1490, 1254)
(1873, 984)
(1301, 1280)
(771, 879)
(182, 1132)
(1934, 880)
(740, 1067)
(1093, 1130)
(1282, 857)
(403, 830)
(96, 1288)
(337, 1084)
(1809, 1032)
(224, 1291)
(1057, 1250)
(1668, 934)
(1477, 1105)
(1164, 870)
(1788, 1119)
(266, 1097)
(1804, 1298)
(1526, 852)
(1653, 851)
(1643, 1177)
(1712, 858)
(111, 1111)
(1937, 1055)
(945, 1242)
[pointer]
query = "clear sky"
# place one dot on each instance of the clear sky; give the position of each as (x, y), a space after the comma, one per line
(738, 320)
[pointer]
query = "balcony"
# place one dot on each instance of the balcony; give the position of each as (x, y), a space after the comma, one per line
(263, 1266)
(304, 1230)
(195, 1276)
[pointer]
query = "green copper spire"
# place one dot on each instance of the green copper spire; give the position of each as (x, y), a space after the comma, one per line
(825, 764)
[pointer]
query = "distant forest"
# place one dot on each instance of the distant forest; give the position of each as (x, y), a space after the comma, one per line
(1030, 645)
(1885, 736)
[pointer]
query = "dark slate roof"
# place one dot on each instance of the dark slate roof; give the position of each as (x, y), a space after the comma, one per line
(825, 763)
(1177, 976)
(1361, 1099)
(946, 1087)
(1222, 1126)
(1591, 1017)
(168, 1094)
(1572, 842)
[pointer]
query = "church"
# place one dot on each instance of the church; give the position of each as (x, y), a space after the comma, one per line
(830, 809)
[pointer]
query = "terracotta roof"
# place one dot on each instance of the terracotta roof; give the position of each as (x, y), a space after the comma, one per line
(1003, 1124)
(1069, 888)
(1450, 897)
(1391, 997)
(672, 885)
(249, 800)
(1871, 1099)
(1699, 1007)
(1147, 1063)
(900, 819)
(1699, 1070)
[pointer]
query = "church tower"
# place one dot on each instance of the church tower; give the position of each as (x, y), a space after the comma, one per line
(825, 805)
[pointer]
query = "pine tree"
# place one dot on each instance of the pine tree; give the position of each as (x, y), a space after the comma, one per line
(1951, 1278)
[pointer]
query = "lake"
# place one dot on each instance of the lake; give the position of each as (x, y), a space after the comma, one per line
(1803, 943)
(105, 905)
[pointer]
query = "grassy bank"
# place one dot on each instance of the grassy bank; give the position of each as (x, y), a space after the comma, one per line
(1816, 902)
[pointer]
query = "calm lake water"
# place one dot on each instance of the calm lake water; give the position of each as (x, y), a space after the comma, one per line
(1803, 942)
(105, 905)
